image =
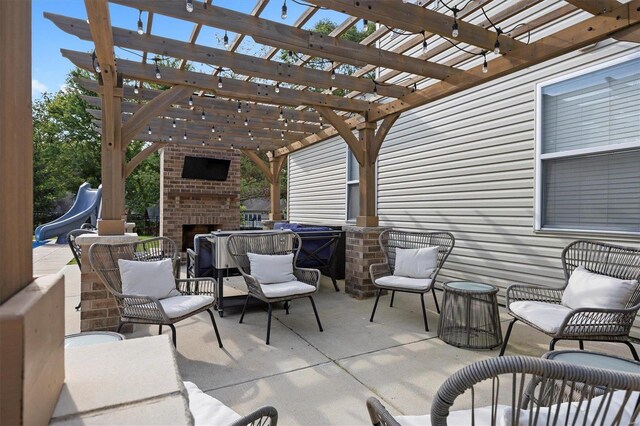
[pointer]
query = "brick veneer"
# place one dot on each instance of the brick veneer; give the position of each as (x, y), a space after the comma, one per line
(362, 250)
(194, 201)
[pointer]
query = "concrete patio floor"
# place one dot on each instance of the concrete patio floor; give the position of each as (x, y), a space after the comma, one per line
(315, 378)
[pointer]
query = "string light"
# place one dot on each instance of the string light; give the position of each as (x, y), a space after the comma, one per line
(277, 88)
(203, 116)
(174, 123)
(135, 89)
(185, 135)
(231, 146)
(190, 100)
(424, 43)
(281, 116)
(290, 54)
(333, 72)
(203, 144)
(140, 29)
(375, 88)
(286, 123)
(149, 130)
(239, 107)
(282, 135)
(485, 65)
(365, 25)
(246, 121)
(189, 6)
(219, 138)
(158, 75)
(249, 133)
(96, 64)
(284, 10)
(170, 138)
(213, 128)
(258, 148)
(219, 82)
(496, 46)
(225, 40)
(454, 28)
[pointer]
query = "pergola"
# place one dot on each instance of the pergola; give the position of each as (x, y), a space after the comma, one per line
(282, 107)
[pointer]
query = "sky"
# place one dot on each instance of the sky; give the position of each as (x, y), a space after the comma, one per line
(50, 69)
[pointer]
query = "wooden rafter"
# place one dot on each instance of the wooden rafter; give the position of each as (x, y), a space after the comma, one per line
(245, 64)
(286, 37)
(230, 87)
(141, 156)
(345, 132)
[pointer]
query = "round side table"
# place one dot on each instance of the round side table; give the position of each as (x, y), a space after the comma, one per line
(469, 317)
(91, 338)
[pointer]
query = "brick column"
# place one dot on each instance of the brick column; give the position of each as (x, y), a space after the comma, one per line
(362, 251)
(99, 310)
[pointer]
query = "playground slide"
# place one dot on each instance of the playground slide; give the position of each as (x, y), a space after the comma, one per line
(84, 207)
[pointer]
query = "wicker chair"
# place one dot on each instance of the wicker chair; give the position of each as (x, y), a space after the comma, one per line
(527, 390)
(392, 239)
(77, 250)
(144, 309)
(595, 324)
(281, 243)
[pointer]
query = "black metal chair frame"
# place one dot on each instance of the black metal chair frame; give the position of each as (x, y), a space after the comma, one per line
(409, 239)
(76, 250)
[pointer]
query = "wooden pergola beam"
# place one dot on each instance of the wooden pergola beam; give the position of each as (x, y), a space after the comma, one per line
(595, 7)
(244, 64)
(150, 110)
(285, 37)
(141, 156)
(414, 18)
(197, 140)
(231, 88)
(255, 158)
(209, 103)
(344, 131)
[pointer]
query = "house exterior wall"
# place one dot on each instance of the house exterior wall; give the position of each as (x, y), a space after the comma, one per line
(464, 164)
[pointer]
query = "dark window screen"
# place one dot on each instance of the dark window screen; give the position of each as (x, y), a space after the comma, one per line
(205, 168)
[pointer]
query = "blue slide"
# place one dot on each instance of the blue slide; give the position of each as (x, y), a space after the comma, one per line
(84, 207)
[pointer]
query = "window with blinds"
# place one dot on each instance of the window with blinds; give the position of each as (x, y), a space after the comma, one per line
(353, 186)
(588, 150)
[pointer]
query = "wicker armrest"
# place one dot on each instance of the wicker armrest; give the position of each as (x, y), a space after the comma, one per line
(264, 416)
(253, 285)
(585, 322)
(191, 286)
(144, 307)
(307, 276)
(378, 270)
(379, 414)
(527, 292)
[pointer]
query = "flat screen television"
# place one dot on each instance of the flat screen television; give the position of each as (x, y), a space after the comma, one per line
(205, 168)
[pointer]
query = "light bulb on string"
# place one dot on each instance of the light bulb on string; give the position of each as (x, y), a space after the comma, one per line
(219, 82)
(135, 89)
(258, 148)
(96, 64)
(203, 116)
(239, 107)
(158, 75)
(281, 116)
(173, 124)
(149, 130)
(283, 15)
(189, 6)
(454, 27)
(333, 72)
(496, 47)
(190, 100)
(424, 43)
(485, 65)
(213, 128)
(282, 135)
(225, 40)
(170, 138)
(231, 147)
(365, 25)
(277, 88)
(140, 29)
(246, 121)
(219, 138)
(185, 135)
(203, 144)
(286, 123)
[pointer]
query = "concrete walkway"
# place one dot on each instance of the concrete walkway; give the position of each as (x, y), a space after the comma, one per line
(50, 258)
(315, 378)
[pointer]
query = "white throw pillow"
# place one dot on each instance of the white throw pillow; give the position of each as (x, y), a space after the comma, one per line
(588, 290)
(153, 279)
(416, 263)
(269, 269)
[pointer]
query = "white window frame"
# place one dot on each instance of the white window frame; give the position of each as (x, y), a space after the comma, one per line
(347, 183)
(539, 157)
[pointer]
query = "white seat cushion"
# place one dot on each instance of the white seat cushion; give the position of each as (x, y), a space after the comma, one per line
(547, 316)
(455, 418)
(207, 410)
(405, 282)
(178, 306)
(588, 290)
(290, 288)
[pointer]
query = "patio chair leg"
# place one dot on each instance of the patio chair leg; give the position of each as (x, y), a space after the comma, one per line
(120, 324)
(315, 311)
(244, 308)
(286, 306)
(215, 327)
(335, 283)
(506, 336)
(633, 350)
(269, 324)
(435, 299)
(581, 343)
(173, 335)
(393, 295)
(375, 305)
(552, 344)
(424, 313)
(160, 329)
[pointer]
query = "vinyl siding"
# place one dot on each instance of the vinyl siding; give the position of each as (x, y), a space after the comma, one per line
(466, 164)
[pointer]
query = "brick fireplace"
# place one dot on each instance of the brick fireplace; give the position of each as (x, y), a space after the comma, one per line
(194, 205)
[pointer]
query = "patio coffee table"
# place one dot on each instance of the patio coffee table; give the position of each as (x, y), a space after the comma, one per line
(595, 359)
(469, 317)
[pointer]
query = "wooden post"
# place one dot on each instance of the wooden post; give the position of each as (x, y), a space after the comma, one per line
(16, 148)
(113, 160)
(275, 167)
(367, 216)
